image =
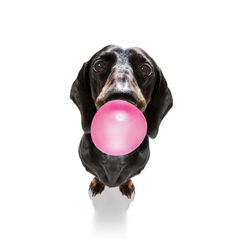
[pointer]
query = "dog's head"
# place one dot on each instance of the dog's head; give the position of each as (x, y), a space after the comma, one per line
(130, 75)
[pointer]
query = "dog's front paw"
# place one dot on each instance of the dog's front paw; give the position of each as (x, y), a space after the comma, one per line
(128, 189)
(96, 187)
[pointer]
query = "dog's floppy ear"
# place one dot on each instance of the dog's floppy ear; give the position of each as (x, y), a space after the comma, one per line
(161, 102)
(81, 96)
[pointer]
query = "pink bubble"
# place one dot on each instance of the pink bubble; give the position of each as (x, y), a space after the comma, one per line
(118, 128)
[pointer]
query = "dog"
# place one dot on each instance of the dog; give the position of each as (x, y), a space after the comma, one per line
(125, 74)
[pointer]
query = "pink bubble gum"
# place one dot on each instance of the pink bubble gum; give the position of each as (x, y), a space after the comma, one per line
(118, 128)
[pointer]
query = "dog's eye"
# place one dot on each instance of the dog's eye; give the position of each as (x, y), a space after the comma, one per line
(99, 66)
(145, 70)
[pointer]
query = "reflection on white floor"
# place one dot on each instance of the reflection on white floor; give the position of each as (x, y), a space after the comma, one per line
(110, 212)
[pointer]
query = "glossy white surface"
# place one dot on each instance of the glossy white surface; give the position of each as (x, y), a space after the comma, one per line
(194, 192)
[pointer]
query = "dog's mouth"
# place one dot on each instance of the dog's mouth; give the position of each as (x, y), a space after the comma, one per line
(124, 97)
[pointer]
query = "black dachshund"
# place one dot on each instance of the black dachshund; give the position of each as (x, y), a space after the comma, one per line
(130, 75)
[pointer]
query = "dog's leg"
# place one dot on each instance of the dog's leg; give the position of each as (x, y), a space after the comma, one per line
(127, 189)
(96, 187)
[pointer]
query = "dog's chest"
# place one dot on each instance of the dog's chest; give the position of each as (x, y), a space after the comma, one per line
(118, 161)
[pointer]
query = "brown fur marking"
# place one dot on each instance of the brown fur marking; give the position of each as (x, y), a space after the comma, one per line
(96, 187)
(127, 189)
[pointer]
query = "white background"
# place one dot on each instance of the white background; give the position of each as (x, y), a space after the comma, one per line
(194, 192)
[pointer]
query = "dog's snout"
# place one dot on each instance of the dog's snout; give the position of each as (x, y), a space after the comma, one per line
(121, 81)
(121, 85)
